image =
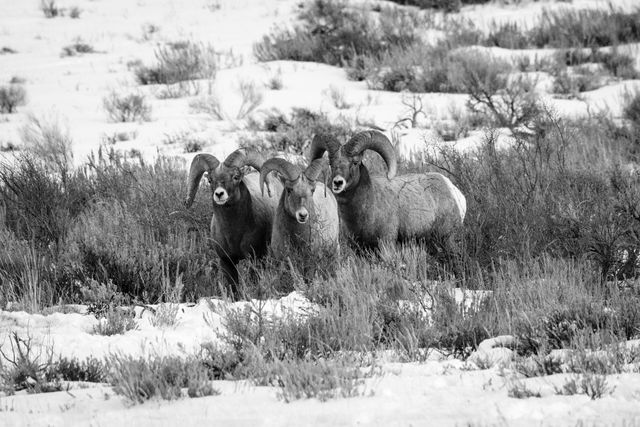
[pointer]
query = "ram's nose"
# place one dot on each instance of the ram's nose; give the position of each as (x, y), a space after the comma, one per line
(220, 196)
(338, 184)
(302, 216)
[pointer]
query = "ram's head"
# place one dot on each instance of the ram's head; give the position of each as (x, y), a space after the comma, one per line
(299, 186)
(346, 160)
(224, 178)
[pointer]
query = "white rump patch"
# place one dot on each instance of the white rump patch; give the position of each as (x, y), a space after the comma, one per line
(461, 201)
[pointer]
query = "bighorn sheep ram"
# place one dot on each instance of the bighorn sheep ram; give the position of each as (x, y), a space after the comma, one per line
(242, 215)
(392, 208)
(307, 216)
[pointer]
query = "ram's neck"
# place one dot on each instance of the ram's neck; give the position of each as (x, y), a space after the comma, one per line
(360, 194)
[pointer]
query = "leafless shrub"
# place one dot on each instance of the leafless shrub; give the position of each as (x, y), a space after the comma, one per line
(209, 105)
(127, 108)
(251, 96)
(510, 100)
(26, 367)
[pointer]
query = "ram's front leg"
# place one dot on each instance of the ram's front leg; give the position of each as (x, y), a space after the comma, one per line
(228, 265)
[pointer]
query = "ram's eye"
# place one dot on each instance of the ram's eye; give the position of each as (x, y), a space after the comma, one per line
(354, 162)
(236, 177)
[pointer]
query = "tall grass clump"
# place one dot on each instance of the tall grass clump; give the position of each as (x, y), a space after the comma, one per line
(48, 140)
(25, 276)
(140, 379)
(178, 64)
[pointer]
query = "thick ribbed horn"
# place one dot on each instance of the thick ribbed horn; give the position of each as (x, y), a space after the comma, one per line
(376, 141)
(242, 157)
(320, 144)
(290, 171)
(317, 167)
(200, 164)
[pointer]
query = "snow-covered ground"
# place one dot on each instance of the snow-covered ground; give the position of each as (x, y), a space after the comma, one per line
(73, 88)
(440, 391)
(436, 392)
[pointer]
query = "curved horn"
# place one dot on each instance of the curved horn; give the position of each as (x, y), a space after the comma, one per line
(286, 169)
(317, 167)
(242, 157)
(322, 143)
(200, 164)
(376, 141)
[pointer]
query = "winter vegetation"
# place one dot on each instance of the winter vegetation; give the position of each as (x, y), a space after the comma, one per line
(430, 208)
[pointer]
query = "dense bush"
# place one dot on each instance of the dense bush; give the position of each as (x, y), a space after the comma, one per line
(292, 134)
(417, 68)
(11, 97)
(78, 222)
(523, 201)
(567, 28)
(333, 33)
